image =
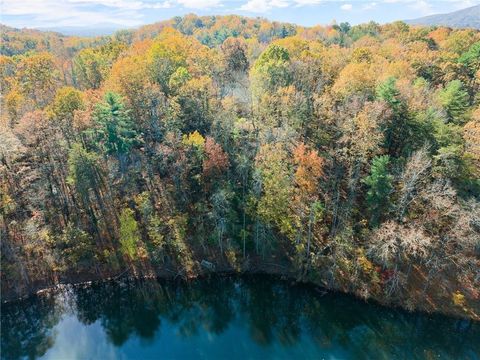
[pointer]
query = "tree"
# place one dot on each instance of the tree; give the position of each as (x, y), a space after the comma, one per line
(14, 101)
(220, 201)
(83, 170)
(274, 204)
(455, 101)
(272, 69)
(114, 128)
(471, 135)
(91, 65)
(37, 76)
(309, 169)
(234, 57)
(399, 128)
(194, 139)
(89, 68)
(62, 110)
(129, 234)
(393, 244)
(415, 172)
(355, 79)
(379, 184)
(195, 102)
(216, 161)
(362, 135)
(85, 175)
(471, 59)
(388, 92)
(130, 77)
(307, 175)
(166, 55)
(178, 79)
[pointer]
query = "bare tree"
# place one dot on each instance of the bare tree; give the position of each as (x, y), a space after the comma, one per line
(394, 244)
(415, 171)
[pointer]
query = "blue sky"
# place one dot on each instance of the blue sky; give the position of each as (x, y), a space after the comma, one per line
(133, 13)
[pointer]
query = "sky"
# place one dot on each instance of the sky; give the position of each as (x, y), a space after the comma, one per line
(133, 13)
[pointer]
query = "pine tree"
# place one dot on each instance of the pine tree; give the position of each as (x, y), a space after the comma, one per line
(379, 184)
(471, 59)
(388, 92)
(114, 129)
(454, 100)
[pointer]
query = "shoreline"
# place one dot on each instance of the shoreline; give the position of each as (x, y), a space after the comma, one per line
(170, 275)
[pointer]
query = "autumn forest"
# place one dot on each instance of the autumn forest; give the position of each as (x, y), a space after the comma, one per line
(345, 156)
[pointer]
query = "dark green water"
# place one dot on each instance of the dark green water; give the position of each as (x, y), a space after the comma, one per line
(224, 318)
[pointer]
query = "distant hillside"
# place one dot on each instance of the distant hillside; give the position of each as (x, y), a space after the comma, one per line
(20, 41)
(83, 31)
(465, 18)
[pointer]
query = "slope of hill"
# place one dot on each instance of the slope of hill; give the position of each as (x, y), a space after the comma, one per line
(344, 155)
(465, 18)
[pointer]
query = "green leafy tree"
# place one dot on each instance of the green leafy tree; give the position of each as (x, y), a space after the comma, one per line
(395, 130)
(403, 133)
(455, 101)
(379, 184)
(471, 59)
(76, 246)
(114, 129)
(129, 234)
(470, 62)
(272, 69)
(388, 92)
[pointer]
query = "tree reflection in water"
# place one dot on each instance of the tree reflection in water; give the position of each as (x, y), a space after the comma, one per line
(269, 313)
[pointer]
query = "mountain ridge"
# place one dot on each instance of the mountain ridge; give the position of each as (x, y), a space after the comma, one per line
(464, 18)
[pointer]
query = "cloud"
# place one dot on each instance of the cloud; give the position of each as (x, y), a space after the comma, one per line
(307, 2)
(423, 7)
(59, 13)
(369, 6)
(118, 4)
(199, 4)
(130, 13)
(261, 6)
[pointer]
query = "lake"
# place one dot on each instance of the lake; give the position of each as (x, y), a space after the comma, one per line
(251, 317)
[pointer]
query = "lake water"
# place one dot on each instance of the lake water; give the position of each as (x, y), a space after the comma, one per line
(224, 318)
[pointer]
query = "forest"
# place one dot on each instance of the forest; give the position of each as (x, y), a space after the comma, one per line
(346, 156)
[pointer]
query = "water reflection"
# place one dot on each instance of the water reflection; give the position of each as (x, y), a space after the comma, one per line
(251, 317)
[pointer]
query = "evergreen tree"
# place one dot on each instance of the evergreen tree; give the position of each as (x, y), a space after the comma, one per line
(454, 100)
(398, 129)
(471, 59)
(114, 129)
(379, 184)
(388, 92)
